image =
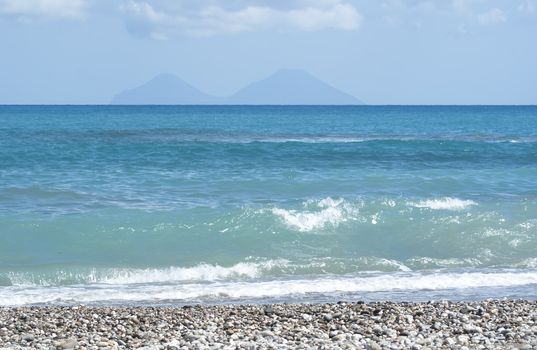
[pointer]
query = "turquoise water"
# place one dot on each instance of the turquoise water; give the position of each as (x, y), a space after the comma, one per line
(171, 205)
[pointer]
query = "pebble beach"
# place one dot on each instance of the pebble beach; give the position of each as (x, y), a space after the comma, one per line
(489, 324)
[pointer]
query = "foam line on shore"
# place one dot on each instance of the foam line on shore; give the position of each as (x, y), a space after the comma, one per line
(261, 289)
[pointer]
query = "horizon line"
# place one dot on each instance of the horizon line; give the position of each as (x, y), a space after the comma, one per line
(256, 105)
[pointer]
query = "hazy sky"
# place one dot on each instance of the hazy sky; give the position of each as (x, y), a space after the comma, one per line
(382, 52)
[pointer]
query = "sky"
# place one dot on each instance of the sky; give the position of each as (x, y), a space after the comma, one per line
(380, 51)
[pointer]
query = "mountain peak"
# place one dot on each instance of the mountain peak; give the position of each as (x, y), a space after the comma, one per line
(292, 87)
(166, 77)
(163, 89)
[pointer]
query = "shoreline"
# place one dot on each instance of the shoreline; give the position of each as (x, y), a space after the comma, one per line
(488, 324)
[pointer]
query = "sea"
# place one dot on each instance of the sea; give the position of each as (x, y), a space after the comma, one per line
(183, 205)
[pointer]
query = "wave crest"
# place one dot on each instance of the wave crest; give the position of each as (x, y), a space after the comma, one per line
(202, 272)
(317, 214)
(122, 276)
(446, 203)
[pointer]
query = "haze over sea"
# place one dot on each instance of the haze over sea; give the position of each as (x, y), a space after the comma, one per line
(176, 205)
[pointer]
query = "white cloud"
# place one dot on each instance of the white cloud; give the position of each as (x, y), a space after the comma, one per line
(28, 10)
(461, 16)
(527, 6)
(460, 6)
(146, 20)
(492, 16)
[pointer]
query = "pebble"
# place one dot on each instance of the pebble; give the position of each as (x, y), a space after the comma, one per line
(373, 346)
(488, 324)
(307, 317)
(66, 344)
(27, 337)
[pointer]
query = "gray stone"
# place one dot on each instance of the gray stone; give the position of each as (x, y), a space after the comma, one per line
(373, 346)
(66, 344)
(28, 337)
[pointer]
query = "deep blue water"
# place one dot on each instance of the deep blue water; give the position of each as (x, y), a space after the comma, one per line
(169, 204)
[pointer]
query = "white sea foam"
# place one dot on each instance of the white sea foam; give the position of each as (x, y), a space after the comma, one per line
(317, 214)
(528, 263)
(394, 263)
(312, 139)
(428, 262)
(446, 203)
(202, 272)
(240, 290)
(124, 276)
(344, 138)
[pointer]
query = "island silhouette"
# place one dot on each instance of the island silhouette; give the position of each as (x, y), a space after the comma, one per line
(284, 87)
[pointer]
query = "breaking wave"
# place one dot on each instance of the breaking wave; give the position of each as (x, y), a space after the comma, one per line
(116, 276)
(446, 203)
(318, 214)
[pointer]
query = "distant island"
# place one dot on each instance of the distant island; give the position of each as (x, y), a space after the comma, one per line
(284, 87)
